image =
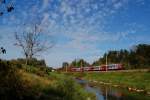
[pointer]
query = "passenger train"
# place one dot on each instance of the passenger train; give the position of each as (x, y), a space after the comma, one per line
(98, 68)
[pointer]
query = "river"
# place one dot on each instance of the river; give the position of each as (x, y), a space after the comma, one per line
(105, 92)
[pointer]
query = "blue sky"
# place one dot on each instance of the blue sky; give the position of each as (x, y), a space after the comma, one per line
(80, 28)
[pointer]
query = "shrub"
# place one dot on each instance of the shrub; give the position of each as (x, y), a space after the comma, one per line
(70, 90)
(10, 83)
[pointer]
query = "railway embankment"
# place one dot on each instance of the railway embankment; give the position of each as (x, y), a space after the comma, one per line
(137, 81)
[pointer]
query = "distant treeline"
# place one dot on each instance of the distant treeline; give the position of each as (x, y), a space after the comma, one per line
(137, 57)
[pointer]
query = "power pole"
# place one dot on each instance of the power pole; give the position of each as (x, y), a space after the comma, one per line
(66, 68)
(106, 62)
(81, 66)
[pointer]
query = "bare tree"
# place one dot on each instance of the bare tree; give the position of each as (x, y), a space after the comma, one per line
(33, 42)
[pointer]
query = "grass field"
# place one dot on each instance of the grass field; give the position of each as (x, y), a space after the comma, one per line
(136, 79)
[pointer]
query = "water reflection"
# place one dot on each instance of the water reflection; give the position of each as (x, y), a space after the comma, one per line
(104, 92)
(98, 93)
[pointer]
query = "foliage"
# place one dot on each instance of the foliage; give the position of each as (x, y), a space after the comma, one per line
(2, 50)
(33, 62)
(70, 90)
(10, 82)
(36, 84)
(65, 64)
(35, 66)
(8, 7)
(139, 57)
(79, 63)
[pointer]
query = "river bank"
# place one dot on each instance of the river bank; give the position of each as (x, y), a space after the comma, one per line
(108, 92)
(31, 82)
(55, 86)
(133, 81)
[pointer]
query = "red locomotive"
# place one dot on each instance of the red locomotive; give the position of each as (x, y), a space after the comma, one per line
(98, 68)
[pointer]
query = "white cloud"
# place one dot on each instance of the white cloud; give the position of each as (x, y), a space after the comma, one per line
(45, 18)
(45, 4)
(80, 21)
(118, 5)
(66, 9)
(141, 2)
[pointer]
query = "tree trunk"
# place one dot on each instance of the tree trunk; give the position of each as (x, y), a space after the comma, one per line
(26, 61)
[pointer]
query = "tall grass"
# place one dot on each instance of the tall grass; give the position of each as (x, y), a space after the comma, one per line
(22, 84)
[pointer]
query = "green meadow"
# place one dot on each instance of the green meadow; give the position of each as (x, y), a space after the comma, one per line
(138, 79)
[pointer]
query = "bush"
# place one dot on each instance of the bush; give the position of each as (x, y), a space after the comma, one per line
(18, 84)
(16, 63)
(10, 83)
(70, 90)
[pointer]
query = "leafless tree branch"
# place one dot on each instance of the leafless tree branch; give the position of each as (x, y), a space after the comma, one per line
(33, 42)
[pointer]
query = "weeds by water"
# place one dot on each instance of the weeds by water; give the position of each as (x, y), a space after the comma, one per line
(20, 84)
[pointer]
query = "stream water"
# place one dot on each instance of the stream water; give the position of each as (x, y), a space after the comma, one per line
(105, 92)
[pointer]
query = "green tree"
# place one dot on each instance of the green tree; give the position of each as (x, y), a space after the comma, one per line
(79, 63)
(137, 57)
(65, 64)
